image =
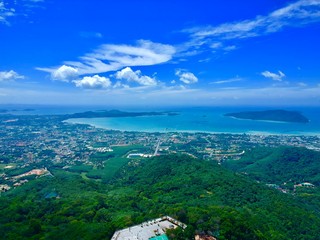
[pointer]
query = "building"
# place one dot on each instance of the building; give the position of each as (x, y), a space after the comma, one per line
(154, 230)
(204, 237)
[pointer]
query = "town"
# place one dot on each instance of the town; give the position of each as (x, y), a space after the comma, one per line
(31, 145)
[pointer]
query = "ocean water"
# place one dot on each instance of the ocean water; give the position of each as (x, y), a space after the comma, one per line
(209, 119)
(46, 109)
(189, 119)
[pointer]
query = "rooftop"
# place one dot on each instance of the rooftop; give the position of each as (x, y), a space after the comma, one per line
(154, 229)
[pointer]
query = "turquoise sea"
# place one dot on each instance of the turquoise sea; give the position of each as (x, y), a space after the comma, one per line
(189, 119)
(208, 119)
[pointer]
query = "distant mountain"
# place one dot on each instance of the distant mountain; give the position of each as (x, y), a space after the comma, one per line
(271, 115)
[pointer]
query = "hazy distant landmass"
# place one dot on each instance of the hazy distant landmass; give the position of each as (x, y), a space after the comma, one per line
(16, 110)
(116, 113)
(271, 115)
(28, 110)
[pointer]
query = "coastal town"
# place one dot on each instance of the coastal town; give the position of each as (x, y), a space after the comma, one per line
(39, 153)
(31, 145)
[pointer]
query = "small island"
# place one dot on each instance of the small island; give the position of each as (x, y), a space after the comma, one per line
(3, 111)
(271, 115)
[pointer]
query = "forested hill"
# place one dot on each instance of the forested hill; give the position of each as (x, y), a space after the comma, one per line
(271, 115)
(210, 198)
(279, 165)
(115, 113)
(204, 195)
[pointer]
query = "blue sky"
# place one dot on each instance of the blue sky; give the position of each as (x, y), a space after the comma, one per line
(123, 52)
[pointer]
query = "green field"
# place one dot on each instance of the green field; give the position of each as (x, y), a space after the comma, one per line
(111, 161)
(124, 150)
(2, 166)
(112, 165)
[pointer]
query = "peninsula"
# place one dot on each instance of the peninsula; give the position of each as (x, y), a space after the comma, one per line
(115, 113)
(271, 115)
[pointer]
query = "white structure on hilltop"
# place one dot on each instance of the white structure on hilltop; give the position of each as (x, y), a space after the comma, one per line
(153, 229)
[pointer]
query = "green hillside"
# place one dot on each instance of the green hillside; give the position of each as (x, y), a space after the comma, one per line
(271, 115)
(279, 165)
(202, 194)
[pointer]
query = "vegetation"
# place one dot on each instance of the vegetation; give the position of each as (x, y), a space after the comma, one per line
(204, 195)
(279, 165)
(113, 113)
(105, 164)
(285, 168)
(271, 115)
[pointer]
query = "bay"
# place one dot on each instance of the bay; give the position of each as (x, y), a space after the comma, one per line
(209, 119)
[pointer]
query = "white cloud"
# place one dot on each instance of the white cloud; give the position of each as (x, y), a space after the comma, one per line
(295, 14)
(112, 57)
(31, 4)
(236, 79)
(205, 60)
(94, 82)
(64, 73)
(165, 96)
(91, 34)
(120, 85)
(216, 45)
(186, 77)
(230, 48)
(5, 13)
(302, 84)
(35, 1)
(9, 76)
(16, 9)
(274, 76)
(135, 76)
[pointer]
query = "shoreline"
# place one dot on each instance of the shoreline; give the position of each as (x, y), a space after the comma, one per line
(267, 121)
(250, 132)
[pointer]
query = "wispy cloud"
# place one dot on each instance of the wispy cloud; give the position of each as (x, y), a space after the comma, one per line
(274, 76)
(164, 95)
(16, 9)
(90, 34)
(205, 60)
(236, 79)
(302, 84)
(186, 77)
(5, 13)
(27, 6)
(35, 1)
(112, 57)
(9, 76)
(215, 37)
(121, 57)
(230, 48)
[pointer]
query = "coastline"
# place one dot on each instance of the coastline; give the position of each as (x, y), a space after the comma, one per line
(168, 130)
(210, 120)
(267, 121)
